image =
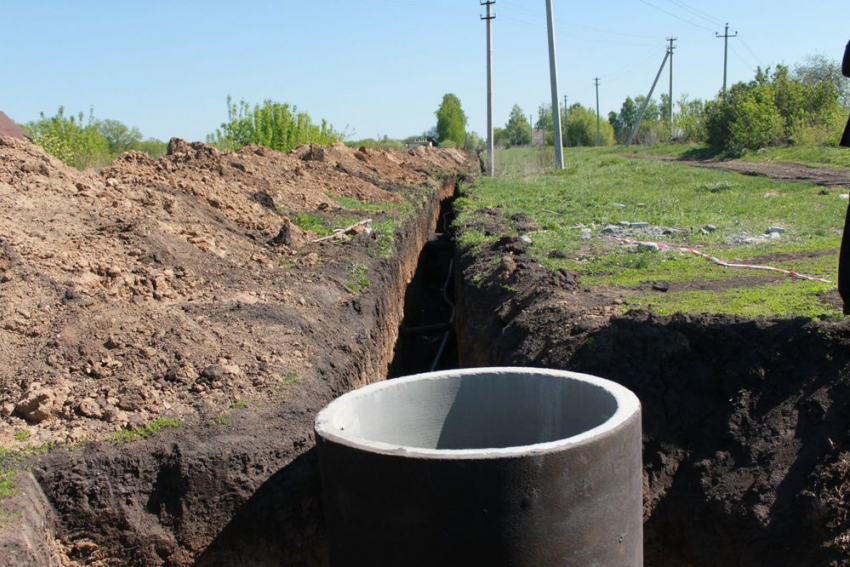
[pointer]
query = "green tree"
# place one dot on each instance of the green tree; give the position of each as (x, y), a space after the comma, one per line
(451, 120)
(73, 139)
(689, 122)
(278, 126)
(817, 69)
(119, 136)
(582, 127)
(517, 131)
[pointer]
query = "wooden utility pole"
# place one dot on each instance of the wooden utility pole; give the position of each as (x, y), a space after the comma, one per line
(490, 143)
(725, 37)
(553, 73)
(598, 126)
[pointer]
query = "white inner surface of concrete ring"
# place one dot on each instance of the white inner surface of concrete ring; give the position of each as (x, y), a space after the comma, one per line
(478, 413)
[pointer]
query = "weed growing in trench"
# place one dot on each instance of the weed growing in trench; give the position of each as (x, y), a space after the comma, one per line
(291, 378)
(239, 404)
(220, 420)
(149, 430)
(358, 280)
(7, 483)
(22, 435)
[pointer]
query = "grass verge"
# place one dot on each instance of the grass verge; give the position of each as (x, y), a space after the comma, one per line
(567, 211)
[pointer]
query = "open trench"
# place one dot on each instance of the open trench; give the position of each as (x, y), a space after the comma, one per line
(737, 421)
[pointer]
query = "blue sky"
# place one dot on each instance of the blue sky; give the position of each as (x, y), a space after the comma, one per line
(379, 66)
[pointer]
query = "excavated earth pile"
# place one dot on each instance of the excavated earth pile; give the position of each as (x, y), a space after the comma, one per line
(179, 293)
(746, 422)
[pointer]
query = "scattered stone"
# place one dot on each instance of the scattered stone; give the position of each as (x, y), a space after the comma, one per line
(558, 254)
(640, 225)
(284, 235)
(625, 224)
(508, 265)
(239, 166)
(112, 182)
(90, 408)
(525, 239)
(775, 235)
(844, 196)
(41, 402)
(618, 205)
(585, 234)
(709, 228)
(775, 230)
(610, 229)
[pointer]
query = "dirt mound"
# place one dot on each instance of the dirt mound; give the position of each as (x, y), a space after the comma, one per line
(158, 287)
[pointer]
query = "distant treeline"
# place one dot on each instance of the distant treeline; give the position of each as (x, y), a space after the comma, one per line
(806, 106)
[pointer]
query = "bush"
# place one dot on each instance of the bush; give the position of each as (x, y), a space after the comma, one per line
(82, 143)
(275, 125)
(769, 111)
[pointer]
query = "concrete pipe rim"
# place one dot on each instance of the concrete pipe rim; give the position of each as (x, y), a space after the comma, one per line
(329, 427)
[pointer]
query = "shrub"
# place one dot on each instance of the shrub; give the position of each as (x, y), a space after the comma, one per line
(278, 126)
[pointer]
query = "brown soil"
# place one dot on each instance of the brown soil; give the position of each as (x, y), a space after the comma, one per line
(179, 288)
(746, 422)
(159, 287)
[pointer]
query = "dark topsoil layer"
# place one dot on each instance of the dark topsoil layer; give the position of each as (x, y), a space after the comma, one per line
(746, 422)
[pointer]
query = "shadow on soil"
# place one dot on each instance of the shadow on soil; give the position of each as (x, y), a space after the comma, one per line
(280, 524)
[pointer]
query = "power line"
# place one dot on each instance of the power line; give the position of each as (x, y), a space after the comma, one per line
(747, 47)
(697, 13)
(675, 16)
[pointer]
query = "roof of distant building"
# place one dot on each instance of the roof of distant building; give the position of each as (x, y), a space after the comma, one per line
(9, 128)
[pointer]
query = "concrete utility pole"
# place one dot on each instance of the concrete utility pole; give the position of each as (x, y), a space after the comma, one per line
(490, 143)
(598, 127)
(566, 123)
(531, 127)
(553, 73)
(646, 102)
(670, 51)
(725, 37)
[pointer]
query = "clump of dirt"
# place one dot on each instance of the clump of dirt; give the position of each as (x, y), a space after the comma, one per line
(746, 422)
(174, 286)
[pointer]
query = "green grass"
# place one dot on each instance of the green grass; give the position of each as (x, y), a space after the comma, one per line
(22, 435)
(7, 483)
(291, 378)
(814, 156)
(358, 281)
(600, 187)
(149, 430)
(239, 404)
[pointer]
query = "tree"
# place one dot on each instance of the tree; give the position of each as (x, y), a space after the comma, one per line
(120, 137)
(582, 127)
(451, 121)
(518, 129)
(816, 69)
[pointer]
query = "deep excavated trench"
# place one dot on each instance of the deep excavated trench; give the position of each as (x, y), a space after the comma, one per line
(720, 398)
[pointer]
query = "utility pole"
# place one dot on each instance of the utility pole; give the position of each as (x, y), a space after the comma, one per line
(531, 127)
(598, 127)
(670, 51)
(566, 123)
(490, 144)
(725, 37)
(646, 102)
(553, 73)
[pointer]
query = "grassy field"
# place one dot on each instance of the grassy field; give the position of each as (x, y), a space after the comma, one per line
(814, 156)
(600, 188)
